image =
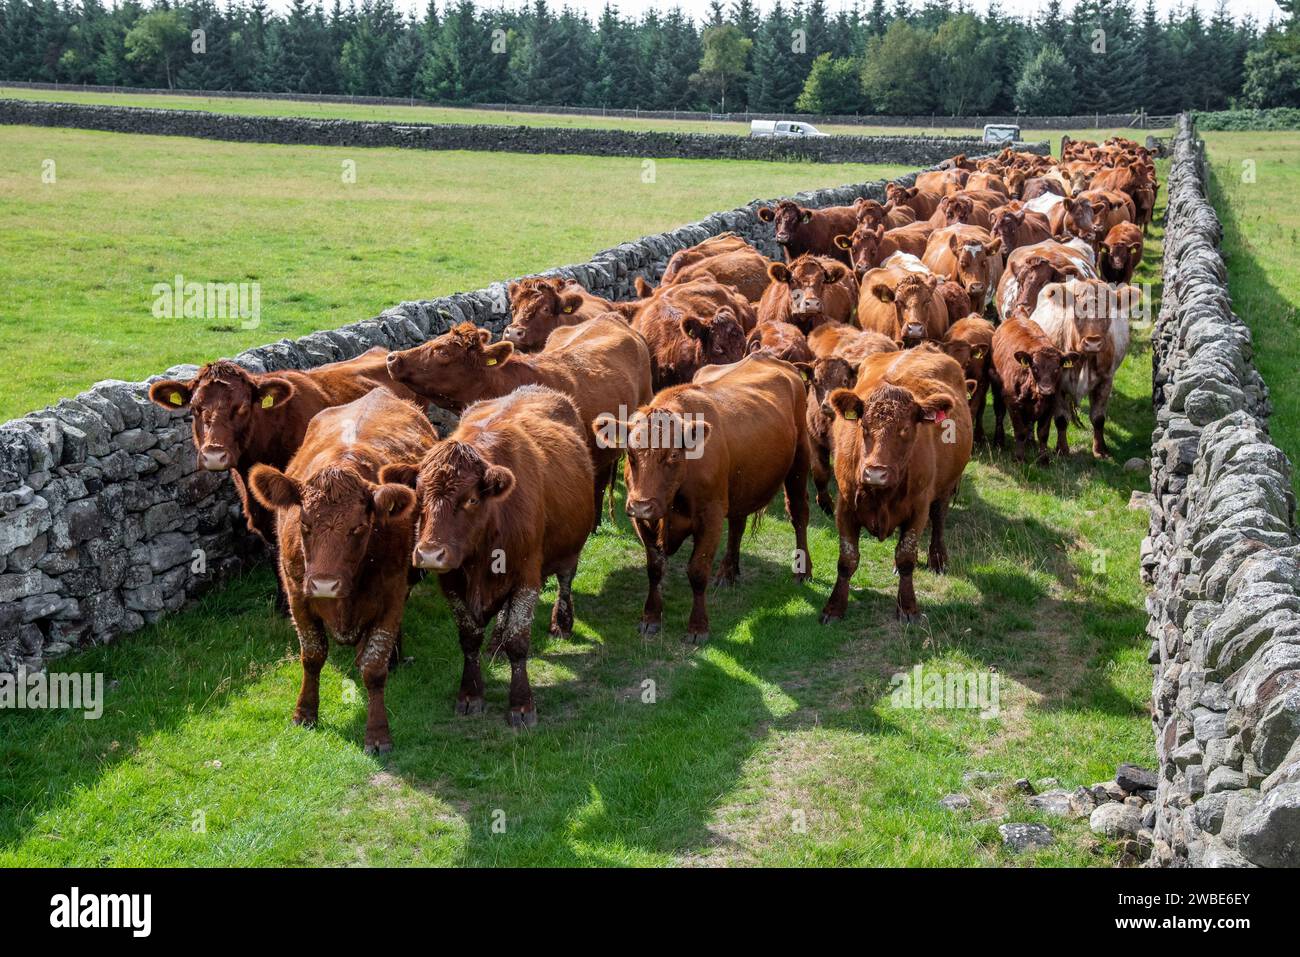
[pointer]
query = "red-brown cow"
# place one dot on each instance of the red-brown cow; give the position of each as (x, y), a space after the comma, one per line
(344, 536)
(242, 418)
(709, 454)
(1017, 226)
(902, 437)
(1120, 253)
(970, 342)
(780, 339)
(890, 215)
(801, 231)
(969, 256)
(808, 292)
(956, 299)
(1030, 268)
(541, 304)
(902, 304)
(868, 247)
(968, 208)
(601, 365)
(1027, 369)
(922, 202)
(692, 325)
(726, 259)
(504, 505)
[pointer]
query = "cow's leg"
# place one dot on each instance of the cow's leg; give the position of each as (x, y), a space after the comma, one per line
(604, 476)
(1062, 441)
(938, 556)
(846, 522)
(655, 562)
(821, 473)
(1044, 429)
(1098, 400)
(1020, 429)
(909, 538)
(515, 628)
(374, 673)
(999, 412)
(313, 649)
(730, 567)
(707, 533)
(796, 506)
(469, 699)
(977, 403)
(562, 613)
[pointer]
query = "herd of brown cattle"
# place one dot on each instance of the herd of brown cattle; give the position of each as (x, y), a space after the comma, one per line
(736, 377)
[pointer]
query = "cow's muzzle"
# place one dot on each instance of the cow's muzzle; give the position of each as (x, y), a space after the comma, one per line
(323, 586)
(214, 460)
(876, 476)
(647, 510)
(1092, 344)
(437, 558)
(514, 333)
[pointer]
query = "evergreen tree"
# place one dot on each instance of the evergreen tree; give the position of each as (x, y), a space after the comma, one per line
(896, 77)
(776, 81)
(1046, 88)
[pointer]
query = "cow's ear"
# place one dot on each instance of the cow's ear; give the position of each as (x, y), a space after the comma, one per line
(1023, 357)
(497, 481)
(834, 270)
(172, 393)
(841, 242)
(570, 302)
(512, 289)
(694, 327)
(610, 432)
(882, 292)
(1071, 359)
(953, 243)
(766, 213)
(273, 393)
(1104, 249)
(846, 403)
(978, 352)
(273, 488)
(755, 343)
(778, 272)
(643, 288)
(805, 216)
(695, 433)
(498, 352)
(393, 501)
(1135, 250)
(805, 372)
(880, 231)
(992, 248)
(1098, 209)
(399, 473)
(934, 408)
(971, 386)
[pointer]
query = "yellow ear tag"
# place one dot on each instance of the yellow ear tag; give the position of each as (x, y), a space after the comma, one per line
(850, 415)
(568, 309)
(492, 362)
(175, 398)
(1067, 364)
(268, 401)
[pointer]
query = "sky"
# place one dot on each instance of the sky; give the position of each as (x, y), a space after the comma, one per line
(1261, 10)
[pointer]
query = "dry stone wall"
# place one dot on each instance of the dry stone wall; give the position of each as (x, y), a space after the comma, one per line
(1223, 562)
(105, 522)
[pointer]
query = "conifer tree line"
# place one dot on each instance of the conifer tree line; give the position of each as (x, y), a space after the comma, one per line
(869, 57)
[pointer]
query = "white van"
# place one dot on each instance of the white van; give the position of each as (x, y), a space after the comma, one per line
(1001, 134)
(783, 128)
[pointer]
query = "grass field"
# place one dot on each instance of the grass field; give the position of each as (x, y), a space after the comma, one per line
(124, 212)
(776, 744)
(1255, 186)
(427, 114)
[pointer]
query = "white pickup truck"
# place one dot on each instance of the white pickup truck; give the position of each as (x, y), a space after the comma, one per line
(783, 128)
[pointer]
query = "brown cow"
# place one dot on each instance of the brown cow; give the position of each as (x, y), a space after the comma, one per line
(970, 342)
(922, 202)
(968, 255)
(242, 418)
(344, 536)
(800, 230)
(890, 215)
(600, 364)
(868, 247)
(780, 339)
(1027, 369)
(942, 181)
(990, 182)
(504, 506)
(1037, 186)
(828, 374)
(809, 291)
(968, 208)
(956, 299)
(1115, 207)
(1120, 253)
(1017, 226)
(848, 342)
(902, 437)
(726, 259)
(710, 453)
(690, 326)
(1075, 216)
(1030, 268)
(902, 304)
(541, 304)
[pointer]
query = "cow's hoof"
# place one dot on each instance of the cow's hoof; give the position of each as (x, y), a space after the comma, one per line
(379, 747)
(647, 628)
(470, 706)
(1103, 454)
(697, 637)
(829, 617)
(522, 718)
(938, 566)
(906, 617)
(724, 579)
(558, 632)
(304, 720)
(826, 505)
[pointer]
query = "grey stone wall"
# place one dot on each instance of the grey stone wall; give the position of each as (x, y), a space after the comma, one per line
(105, 523)
(903, 150)
(1223, 564)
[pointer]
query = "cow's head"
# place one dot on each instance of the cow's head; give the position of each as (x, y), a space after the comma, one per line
(828, 374)
(338, 511)
(1044, 364)
(1085, 219)
(863, 246)
(1116, 257)
(229, 404)
(1006, 221)
(459, 493)
(914, 303)
(720, 338)
(900, 195)
(537, 307)
(660, 445)
(956, 209)
(786, 218)
(450, 370)
(975, 265)
(807, 280)
(870, 212)
(888, 419)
